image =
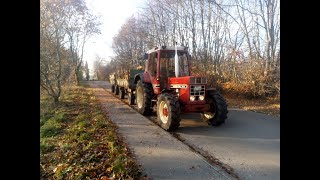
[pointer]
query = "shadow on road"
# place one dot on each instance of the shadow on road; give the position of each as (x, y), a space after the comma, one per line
(240, 124)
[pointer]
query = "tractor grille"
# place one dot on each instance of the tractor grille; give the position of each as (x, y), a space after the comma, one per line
(194, 92)
(197, 87)
(197, 93)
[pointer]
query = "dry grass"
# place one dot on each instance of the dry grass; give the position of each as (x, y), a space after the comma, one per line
(78, 141)
(270, 106)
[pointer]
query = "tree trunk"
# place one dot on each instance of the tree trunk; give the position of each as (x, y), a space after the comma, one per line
(56, 100)
(76, 76)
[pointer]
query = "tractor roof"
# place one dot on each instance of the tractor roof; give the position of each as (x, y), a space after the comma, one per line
(157, 48)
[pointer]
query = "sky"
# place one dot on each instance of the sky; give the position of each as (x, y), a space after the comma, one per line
(113, 15)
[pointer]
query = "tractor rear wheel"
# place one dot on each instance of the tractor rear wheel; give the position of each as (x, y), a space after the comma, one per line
(168, 112)
(218, 109)
(144, 94)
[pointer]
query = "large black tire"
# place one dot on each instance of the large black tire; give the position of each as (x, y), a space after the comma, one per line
(218, 109)
(116, 92)
(121, 92)
(144, 94)
(112, 88)
(131, 98)
(168, 112)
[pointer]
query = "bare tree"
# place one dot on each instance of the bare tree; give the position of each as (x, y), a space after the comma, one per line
(129, 44)
(81, 26)
(234, 40)
(52, 53)
(65, 26)
(87, 71)
(99, 68)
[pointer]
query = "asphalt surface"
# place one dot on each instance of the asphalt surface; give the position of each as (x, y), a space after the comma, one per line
(248, 142)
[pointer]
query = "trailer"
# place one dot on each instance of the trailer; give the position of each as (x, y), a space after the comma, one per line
(122, 83)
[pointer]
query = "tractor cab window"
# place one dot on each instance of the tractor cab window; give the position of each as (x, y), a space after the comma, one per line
(167, 64)
(152, 64)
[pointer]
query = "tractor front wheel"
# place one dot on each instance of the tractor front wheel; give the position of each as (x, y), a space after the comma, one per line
(168, 112)
(218, 109)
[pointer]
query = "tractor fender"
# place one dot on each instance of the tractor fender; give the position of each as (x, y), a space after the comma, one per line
(209, 90)
(138, 77)
(167, 91)
(144, 77)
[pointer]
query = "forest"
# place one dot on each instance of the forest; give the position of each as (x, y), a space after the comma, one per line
(236, 42)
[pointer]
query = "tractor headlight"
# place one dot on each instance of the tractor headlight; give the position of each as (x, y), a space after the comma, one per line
(178, 92)
(192, 98)
(201, 97)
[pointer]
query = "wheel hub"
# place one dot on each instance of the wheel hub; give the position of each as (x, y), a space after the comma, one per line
(208, 115)
(163, 112)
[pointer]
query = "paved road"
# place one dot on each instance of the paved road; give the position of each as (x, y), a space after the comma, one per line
(161, 155)
(248, 142)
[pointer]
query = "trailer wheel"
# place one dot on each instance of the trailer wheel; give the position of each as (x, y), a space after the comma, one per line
(112, 88)
(144, 93)
(168, 112)
(116, 92)
(218, 109)
(131, 98)
(121, 93)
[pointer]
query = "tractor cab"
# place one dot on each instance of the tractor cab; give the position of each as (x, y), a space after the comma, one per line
(161, 65)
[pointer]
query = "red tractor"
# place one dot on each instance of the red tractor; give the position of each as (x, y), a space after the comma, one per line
(167, 84)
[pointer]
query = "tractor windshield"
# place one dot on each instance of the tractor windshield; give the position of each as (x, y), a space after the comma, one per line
(167, 64)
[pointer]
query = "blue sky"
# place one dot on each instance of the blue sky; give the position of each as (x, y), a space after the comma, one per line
(113, 15)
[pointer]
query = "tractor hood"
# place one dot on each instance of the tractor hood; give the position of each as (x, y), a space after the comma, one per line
(191, 89)
(174, 82)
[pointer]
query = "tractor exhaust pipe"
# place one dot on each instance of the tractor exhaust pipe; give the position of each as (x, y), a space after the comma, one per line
(176, 62)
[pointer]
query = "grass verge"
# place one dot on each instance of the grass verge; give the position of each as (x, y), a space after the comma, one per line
(78, 141)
